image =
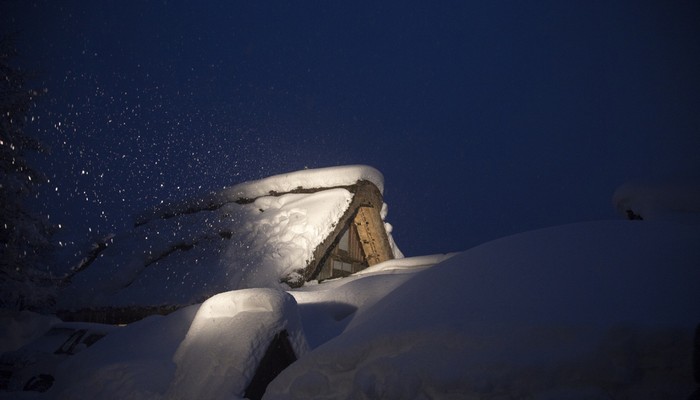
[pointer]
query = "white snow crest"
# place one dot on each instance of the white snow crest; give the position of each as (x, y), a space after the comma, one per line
(228, 338)
(307, 179)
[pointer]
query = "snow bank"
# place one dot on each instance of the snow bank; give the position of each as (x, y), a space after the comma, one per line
(326, 309)
(408, 263)
(676, 200)
(227, 340)
(18, 328)
(134, 362)
(580, 311)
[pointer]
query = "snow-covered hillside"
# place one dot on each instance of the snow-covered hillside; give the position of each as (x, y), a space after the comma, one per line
(593, 310)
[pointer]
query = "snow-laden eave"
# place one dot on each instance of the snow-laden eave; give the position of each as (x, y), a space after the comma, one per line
(305, 181)
(319, 178)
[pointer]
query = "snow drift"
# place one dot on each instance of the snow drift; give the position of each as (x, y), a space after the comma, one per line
(227, 340)
(579, 311)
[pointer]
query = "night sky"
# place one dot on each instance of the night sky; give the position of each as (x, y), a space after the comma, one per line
(486, 118)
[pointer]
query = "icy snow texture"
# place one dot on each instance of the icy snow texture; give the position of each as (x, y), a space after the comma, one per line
(188, 258)
(577, 311)
(227, 340)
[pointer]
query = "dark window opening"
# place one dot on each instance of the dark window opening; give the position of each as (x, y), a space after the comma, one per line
(346, 257)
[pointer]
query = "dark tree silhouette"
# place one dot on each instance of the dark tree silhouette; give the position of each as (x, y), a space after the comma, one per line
(24, 235)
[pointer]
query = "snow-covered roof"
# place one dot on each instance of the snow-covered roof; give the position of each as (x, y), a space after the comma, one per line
(192, 251)
(306, 179)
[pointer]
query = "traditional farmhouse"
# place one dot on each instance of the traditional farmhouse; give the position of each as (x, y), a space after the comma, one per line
(281, 231)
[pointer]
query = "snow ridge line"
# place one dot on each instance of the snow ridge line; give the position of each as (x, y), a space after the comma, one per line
(212, 203)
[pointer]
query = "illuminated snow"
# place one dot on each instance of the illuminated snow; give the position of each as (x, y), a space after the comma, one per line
(227, 339)
(267, 240)
(571, 311)
(183, 253)
(308, 179)
(563, 312)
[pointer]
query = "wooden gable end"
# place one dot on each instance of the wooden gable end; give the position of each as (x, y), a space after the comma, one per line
(358, 241)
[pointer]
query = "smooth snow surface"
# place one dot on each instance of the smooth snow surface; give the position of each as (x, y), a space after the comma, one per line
(580, 311)
(227, 340)
(134, 362)
(20, 328)
(586, 311)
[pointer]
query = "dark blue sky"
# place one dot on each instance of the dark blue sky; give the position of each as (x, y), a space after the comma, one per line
(486, 119)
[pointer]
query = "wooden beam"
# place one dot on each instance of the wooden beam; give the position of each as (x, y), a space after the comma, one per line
(373, 238)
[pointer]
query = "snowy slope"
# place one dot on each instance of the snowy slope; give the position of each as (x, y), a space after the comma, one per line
(592, 310)
(579, 311)
(213, 348)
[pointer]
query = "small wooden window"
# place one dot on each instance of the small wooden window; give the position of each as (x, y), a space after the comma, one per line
(346, 257)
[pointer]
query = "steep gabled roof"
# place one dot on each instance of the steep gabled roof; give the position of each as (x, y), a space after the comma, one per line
(256, 234)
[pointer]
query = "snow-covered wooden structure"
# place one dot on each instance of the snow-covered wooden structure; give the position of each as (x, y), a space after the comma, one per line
(359, 239)
(280, 231)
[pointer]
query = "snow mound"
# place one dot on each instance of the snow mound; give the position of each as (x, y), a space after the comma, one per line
(18, 328)
(227, 340)
(133, 362)
(577, 311)
(407, 263)
(676, 200)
